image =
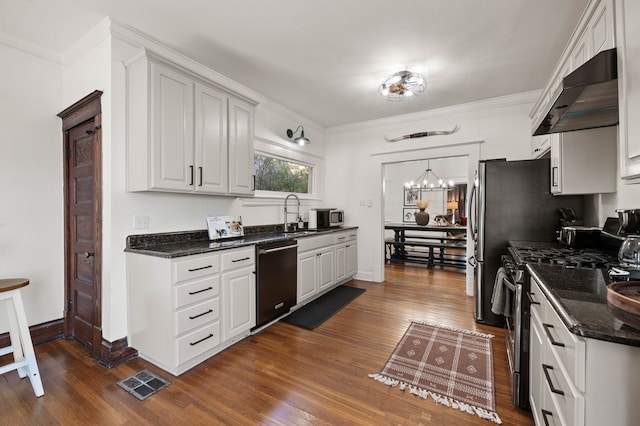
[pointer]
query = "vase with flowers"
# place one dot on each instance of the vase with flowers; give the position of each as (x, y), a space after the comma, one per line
(422, 217)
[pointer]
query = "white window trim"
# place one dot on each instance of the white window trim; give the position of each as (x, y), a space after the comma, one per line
(273, 149)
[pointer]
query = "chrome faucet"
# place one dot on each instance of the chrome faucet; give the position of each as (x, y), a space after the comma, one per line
(297, 213)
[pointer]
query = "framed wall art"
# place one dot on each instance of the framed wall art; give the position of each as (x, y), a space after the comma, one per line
(409, 215)
(411, 195)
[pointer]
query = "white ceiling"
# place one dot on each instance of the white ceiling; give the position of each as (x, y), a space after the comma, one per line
(326, 58)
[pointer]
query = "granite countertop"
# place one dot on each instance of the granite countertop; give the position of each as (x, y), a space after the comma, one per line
(579, 297)
(179, 244)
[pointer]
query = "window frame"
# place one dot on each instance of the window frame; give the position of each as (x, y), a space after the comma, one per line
(273, 149)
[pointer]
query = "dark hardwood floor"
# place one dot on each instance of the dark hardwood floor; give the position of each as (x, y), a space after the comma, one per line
(282, 376)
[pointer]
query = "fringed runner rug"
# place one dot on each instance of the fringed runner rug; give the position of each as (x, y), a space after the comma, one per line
(452, 366)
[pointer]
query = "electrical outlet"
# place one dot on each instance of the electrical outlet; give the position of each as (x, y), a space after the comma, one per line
(141, 222)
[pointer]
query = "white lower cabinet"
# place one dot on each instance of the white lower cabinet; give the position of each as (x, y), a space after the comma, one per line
(324, 262)
(238, 293)
(182, 311)
(316, 266)
(578, 381)
(346, 255)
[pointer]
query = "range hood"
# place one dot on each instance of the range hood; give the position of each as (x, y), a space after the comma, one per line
(589, 97)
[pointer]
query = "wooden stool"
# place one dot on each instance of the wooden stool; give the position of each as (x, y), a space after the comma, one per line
(24, 358)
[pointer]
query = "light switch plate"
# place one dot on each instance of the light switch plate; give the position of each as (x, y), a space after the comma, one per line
(141, 222)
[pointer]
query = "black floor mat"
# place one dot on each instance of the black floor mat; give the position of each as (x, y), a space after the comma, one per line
(315, 313)
(143, 384)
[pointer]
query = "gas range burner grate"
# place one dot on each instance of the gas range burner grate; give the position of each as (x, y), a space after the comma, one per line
(566, 257)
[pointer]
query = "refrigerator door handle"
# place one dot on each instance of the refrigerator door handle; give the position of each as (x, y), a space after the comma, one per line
(472, 209)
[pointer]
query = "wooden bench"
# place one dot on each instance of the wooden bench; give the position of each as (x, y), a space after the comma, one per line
(452, 250)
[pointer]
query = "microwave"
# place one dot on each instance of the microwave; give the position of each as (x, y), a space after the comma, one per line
(325, 218)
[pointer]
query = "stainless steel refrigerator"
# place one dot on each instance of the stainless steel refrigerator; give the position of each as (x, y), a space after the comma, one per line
(511, 201)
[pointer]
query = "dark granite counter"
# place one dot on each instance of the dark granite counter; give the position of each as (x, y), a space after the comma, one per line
(579, 297)
(179, 244)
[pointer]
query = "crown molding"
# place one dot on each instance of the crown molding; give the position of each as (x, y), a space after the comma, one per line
(491, 103)
(88, 41)
(31, 49)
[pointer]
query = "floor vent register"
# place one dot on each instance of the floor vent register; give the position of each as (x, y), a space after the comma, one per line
(143, 384)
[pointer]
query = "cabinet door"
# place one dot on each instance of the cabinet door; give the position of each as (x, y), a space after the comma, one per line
(600, 31)
(539, 145)
(172, 124)
(241, 169)
(556, 179)
(210, 140)
(352, 259)
(239, 298)
(326, 268)
(628, 48)
(341, 262)
(307, 276)
(535, 369)
(580, 53)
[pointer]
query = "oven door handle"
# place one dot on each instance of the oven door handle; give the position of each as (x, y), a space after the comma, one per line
(511, 286)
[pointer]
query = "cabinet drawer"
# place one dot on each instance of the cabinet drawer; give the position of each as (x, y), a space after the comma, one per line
(537, 300)
(238, 258)
(312, 243)
(195, 267)
(569, 404)
(195, 316)
(196, 291)
(570, 349)
(198, 342)
(343, 237)
(548, 414)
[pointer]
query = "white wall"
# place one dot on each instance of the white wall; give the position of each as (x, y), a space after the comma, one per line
(496, 128)
(31, 212)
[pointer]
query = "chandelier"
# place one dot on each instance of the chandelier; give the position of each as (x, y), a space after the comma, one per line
(424, 182)
(402, 85)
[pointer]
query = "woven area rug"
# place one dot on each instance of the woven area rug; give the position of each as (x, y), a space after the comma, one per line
(454, 367)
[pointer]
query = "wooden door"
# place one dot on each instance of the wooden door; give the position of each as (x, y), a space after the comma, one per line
(83, 226)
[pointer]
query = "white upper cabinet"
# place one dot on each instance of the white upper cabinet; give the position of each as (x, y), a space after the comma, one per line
(628, 40)
(210, 140)
(595, 32)
(185, 133)
(584, 161)
(241, 171)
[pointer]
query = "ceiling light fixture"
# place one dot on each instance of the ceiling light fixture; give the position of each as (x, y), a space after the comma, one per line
(300, 140)
(402, 85)
(423, 182)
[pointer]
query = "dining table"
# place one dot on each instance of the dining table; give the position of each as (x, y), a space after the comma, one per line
(430, 237)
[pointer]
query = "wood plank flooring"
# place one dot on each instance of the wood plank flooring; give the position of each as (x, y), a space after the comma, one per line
(282, 376)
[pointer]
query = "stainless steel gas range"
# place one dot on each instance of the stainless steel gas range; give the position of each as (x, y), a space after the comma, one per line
(517, 280)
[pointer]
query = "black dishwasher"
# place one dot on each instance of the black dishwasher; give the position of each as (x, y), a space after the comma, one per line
(276, 280)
